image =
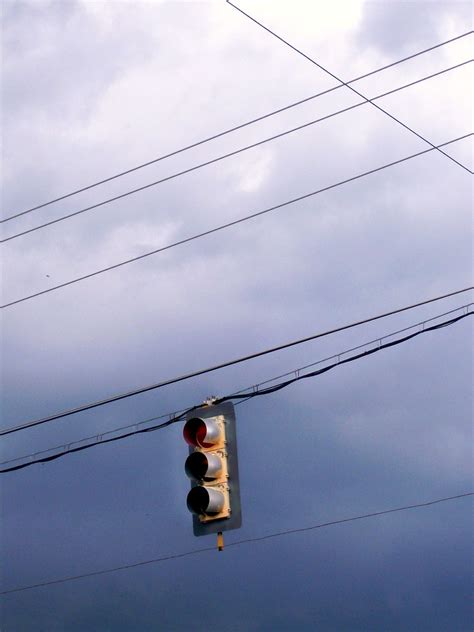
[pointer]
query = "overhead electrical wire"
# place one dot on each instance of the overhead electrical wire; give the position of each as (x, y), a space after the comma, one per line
(228, 155)
(176, 415)
(338, 356)
(250, 392)
(233, 129)
(54, 457)
(297, 378)
(268, 536)
(331, 74)
(94, 440)
(187, 376)
(258, 354)
(229, 224)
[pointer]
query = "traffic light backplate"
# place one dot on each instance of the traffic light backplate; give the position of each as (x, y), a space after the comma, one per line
(212, 466)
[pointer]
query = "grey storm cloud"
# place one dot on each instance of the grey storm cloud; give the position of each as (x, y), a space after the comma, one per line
(93, 88)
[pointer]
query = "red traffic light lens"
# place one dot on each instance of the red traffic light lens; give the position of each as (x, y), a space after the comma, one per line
(194, 432)
(201, 433)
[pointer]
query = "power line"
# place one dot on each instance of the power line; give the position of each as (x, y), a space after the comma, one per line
(99, 441)
(338, 356)
(269, 536)
(53, 457)
(233, 129)
(97, 438)
(176, 415)
(297, 378)
(228, 224)
(228, 155)
(253, 391)
(318, 65)
(223, 365)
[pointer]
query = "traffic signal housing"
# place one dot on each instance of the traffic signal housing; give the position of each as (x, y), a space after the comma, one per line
(212, 466)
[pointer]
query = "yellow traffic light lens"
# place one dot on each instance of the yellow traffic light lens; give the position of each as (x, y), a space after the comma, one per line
(196, 466)
(203, 466)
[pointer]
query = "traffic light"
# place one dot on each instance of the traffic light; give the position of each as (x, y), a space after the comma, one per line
(214, 498)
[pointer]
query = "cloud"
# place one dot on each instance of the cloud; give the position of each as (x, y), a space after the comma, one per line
(95, 88)
(401, 26)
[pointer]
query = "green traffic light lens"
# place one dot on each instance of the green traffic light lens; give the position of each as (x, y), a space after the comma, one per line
(198, 500)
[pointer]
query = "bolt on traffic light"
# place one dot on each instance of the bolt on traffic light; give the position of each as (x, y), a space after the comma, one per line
(214, 498)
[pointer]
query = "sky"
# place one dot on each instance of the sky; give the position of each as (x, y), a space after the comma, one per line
(91, 89)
